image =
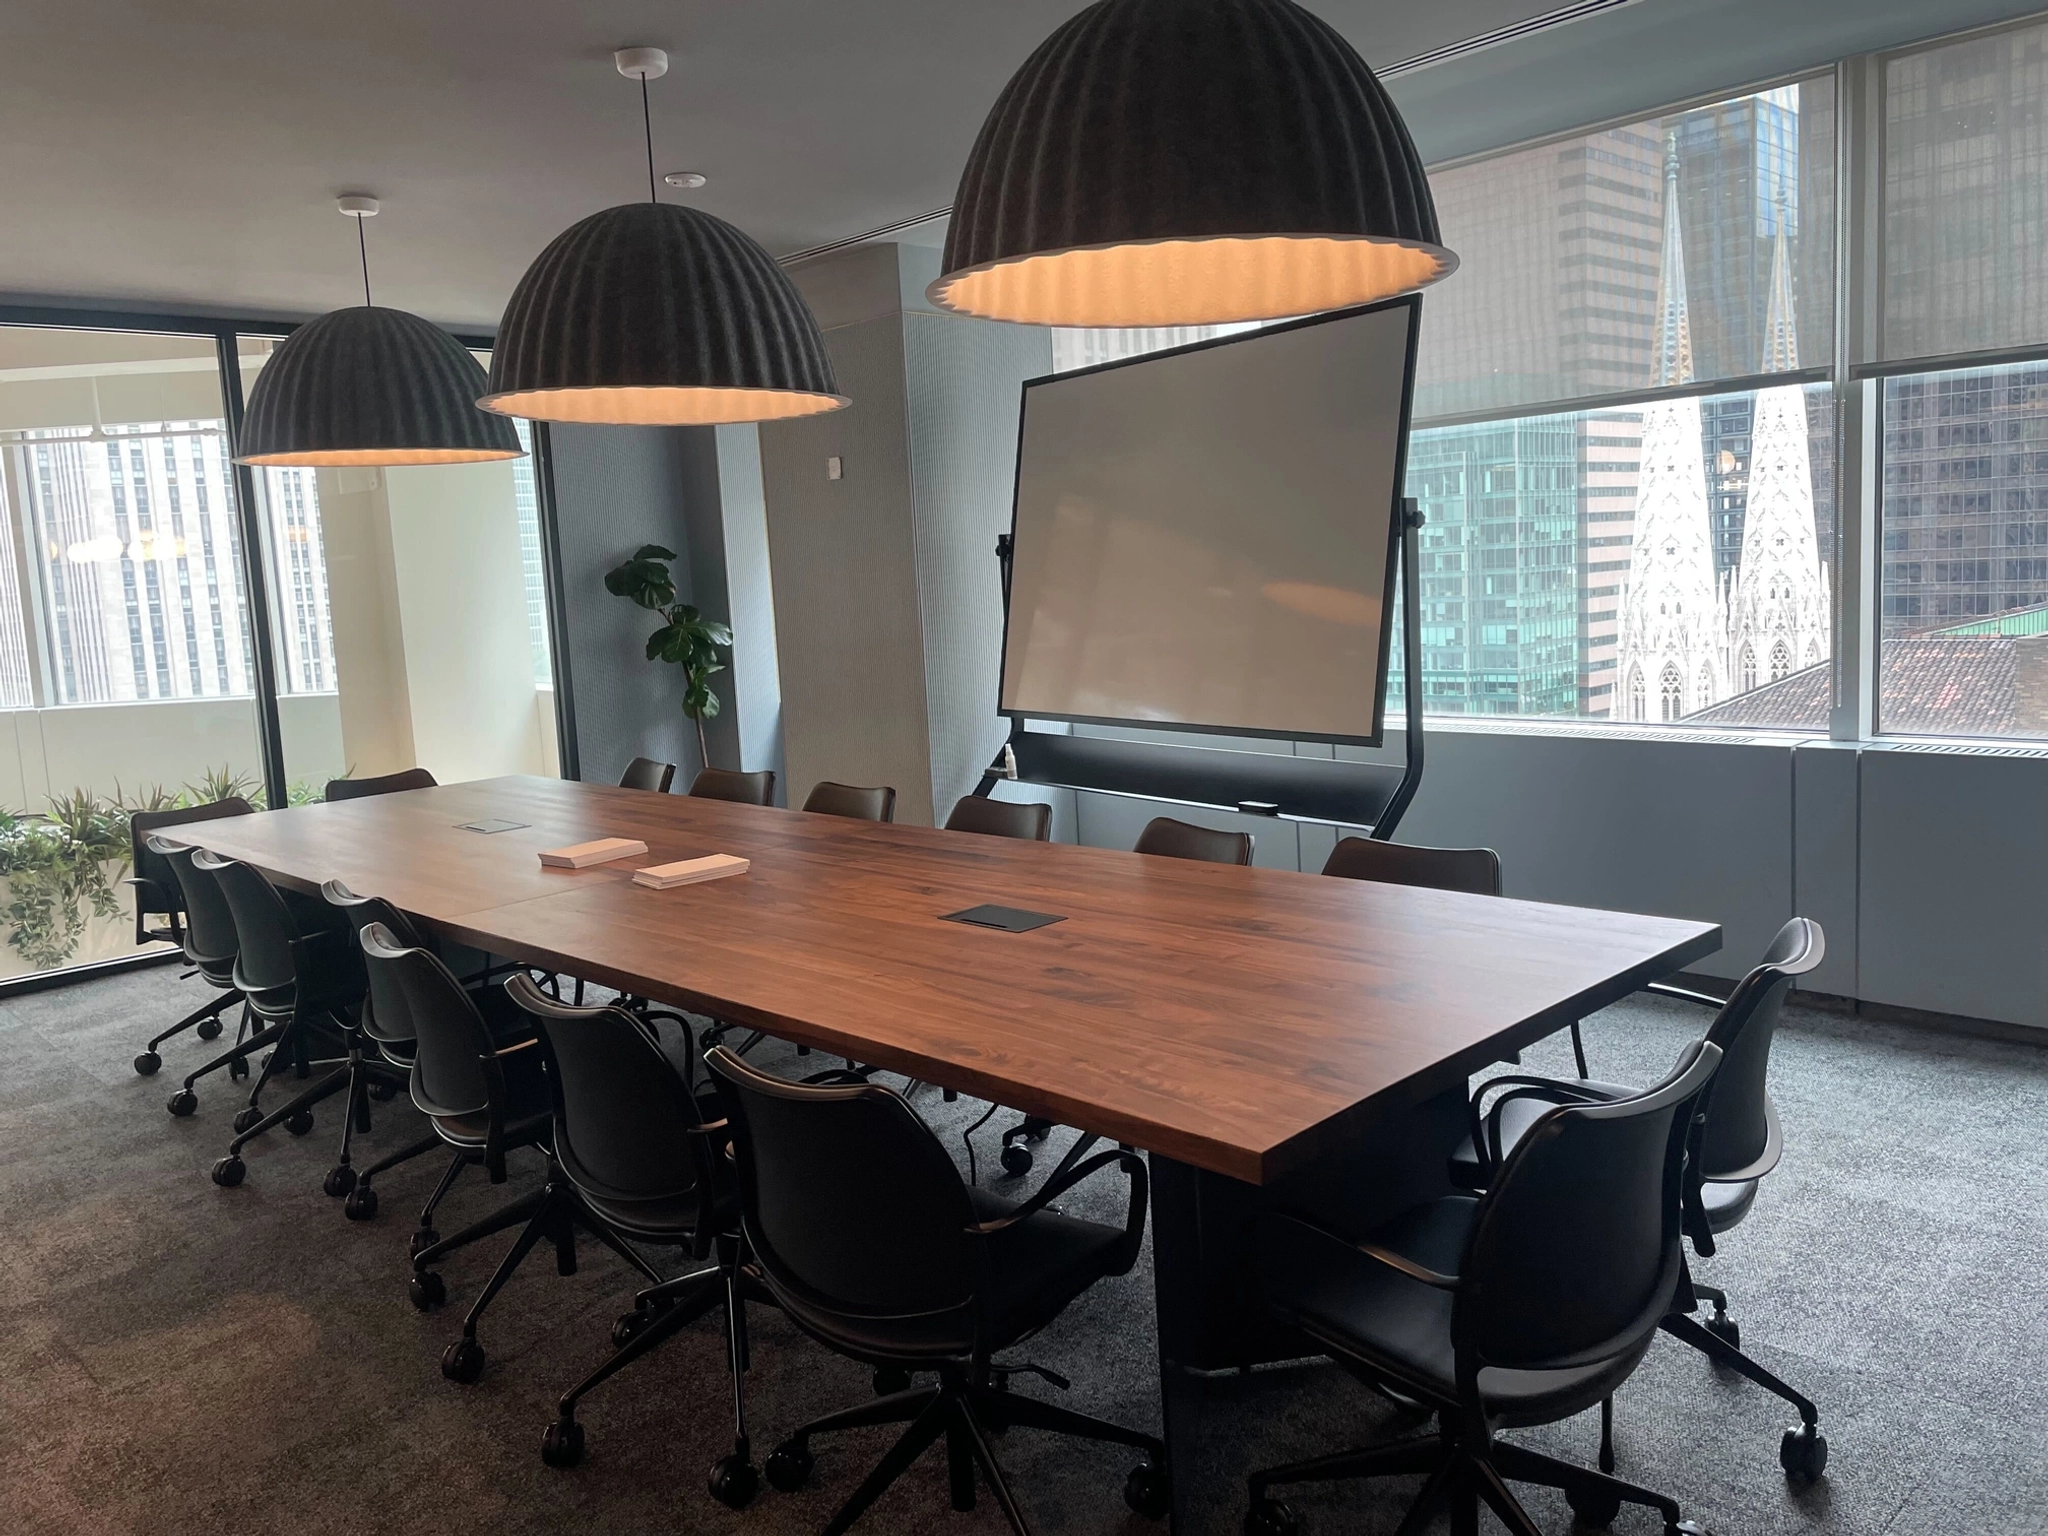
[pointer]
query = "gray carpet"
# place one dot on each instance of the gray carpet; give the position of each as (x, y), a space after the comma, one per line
(176, 1357)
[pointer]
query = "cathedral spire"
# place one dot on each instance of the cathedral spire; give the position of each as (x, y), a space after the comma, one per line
(1674, 328)
(1781, 325)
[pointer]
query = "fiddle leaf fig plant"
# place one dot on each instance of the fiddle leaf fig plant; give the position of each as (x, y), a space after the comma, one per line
(686, 639)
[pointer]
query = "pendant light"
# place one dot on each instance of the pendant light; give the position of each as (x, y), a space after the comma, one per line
(653, 313)
(1189, 162)
(370, 386)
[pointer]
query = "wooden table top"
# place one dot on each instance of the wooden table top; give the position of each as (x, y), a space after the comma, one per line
(1241, 1020)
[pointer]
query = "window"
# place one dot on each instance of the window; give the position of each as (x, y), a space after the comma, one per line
(1964, 637)
(528, 501)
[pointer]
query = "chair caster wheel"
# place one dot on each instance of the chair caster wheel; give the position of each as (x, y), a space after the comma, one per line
(562, 1445)
(1594, 1506)
(1147, 1492)
(383, 1092)
(1016, 1159)
(208, 1029)
(147, 1063)
(890, 1379)
(1686, 1528)
(422, 1239)
(427, 1291)
(1803, 1453)
(1726, 1329)
(734, 1481)
(789, 1465)
(630, 1325)
(245, 1120)
(229, 1172)
(361, 1204)
(183, 1103)
(238, 1070)
(463, 1360)
(299, 1122)
(1270, 1517)
(339, 1181)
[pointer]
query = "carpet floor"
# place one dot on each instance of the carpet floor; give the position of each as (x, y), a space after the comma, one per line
(177, 1357)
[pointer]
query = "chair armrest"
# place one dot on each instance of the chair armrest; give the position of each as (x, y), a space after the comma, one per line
(1485, 1124)
(1400, 1263)
(1686, 995)
(1774, 1148)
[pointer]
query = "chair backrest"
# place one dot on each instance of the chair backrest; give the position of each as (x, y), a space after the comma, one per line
(210, 937)
(411, 989)
(646, 773)
(625, 1120)
(1027, 820)
(362, 912)
(1475, 871)
(156, 884)
(383, 784)
(1738, 1113)
(742, 788)
(265, 930)
(850, 800)
(1179, 840)
(1574, 1254)
(849, 1200)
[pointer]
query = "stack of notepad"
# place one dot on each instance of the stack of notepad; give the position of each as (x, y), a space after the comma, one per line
(583, 855)
(713, 866)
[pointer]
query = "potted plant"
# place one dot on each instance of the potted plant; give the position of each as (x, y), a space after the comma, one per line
(686, 638)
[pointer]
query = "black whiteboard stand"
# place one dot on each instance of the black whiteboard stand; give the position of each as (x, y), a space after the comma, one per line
(1320, 789)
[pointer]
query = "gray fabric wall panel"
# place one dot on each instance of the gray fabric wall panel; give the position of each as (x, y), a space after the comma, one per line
(1826, 812)
(843, 557)
(965, 378)
(617, 488)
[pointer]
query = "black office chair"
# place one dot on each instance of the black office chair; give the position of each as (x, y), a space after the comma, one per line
(646, 773)
(383, 784)
(1029, 821)
(1522, 1306)
(391, 1032)
(211, 945)
(639, 1158)
(1740, 1142)
(873, 1245)
(829, 799)
(1475, 871)
(303, 979)
(741, 788)
(1180, 840)
(156, 893)
(1165, 838)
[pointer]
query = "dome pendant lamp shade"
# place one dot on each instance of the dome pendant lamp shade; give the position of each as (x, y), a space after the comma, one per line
(651, 313)
(1189, 162)
(371, 386)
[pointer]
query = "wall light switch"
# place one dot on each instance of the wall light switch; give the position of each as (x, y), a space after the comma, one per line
(834, 470)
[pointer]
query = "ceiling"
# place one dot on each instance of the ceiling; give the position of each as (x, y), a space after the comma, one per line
(188, 155)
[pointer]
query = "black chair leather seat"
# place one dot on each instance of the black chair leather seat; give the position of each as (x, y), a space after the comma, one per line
(1336, 1294)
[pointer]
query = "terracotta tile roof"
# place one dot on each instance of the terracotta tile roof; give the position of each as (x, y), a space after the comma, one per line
(1950, 685)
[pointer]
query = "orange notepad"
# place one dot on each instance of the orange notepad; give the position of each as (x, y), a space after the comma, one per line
(583, 855)
(715, 866)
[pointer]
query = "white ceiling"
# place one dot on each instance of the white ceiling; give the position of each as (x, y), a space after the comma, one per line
(190, 153)
(187, 155)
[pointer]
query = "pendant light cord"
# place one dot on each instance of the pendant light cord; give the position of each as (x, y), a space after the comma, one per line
(363, 249)
(647, 123)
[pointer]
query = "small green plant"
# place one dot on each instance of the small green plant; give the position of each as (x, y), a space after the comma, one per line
(686, 638)
(57, 875)
(305, 792)
(223, 783)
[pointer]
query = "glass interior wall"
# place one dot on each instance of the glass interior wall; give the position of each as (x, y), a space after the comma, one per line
(126, 668)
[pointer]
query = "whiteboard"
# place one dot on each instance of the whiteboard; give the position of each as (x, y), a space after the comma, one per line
(1205, 539)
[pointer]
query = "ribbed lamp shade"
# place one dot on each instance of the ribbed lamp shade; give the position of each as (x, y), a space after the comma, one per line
(650, 313)
(371, 386)
(1189, 162)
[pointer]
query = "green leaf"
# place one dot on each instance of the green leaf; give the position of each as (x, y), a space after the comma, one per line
(653, 552)
(658, 642)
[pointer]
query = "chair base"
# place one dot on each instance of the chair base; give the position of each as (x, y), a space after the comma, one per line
(1464, 1470)
(965, 1407)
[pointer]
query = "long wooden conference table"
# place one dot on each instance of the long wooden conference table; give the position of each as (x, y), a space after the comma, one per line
(1262, 1034)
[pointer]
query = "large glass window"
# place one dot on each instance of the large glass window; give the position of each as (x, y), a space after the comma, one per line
(1964, 648)
(126, 678)
(1966, 195)
(1568, 251)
